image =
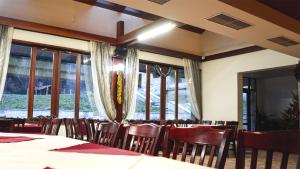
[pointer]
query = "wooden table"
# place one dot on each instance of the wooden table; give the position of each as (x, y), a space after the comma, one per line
(35, 154)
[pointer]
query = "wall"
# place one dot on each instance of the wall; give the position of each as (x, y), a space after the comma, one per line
(275, 94)
(83, 45)
(222, 81)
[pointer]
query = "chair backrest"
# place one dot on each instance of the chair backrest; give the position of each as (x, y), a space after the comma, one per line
(220, 122)
(55, 125)
(106, 134)
(181, 123)
(286, 142)
(233, 125)
(6, 125)
(202, 139)
(87, 129)
(79, 126)
(142, 138)
(208, 122)
(47, 126)
(69, 127)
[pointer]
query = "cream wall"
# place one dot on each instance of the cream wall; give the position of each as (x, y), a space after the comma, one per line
(83, 45)
(222, 81)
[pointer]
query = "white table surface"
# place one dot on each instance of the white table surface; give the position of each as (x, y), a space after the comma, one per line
(35, 154)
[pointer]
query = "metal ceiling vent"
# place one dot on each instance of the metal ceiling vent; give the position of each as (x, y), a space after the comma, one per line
(161, 2)
(229, 21)
(283, 41)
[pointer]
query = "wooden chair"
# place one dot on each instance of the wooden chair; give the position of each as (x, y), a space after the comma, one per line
(206, 122)
(220, 122)
(142, 138)
(87, 129)
(106, 134)
(6, 125)
(232, 125)
(202, 139)
(181, 123)
(286, 142)
(54, 127)
(46, 126)
(78, 128)
(69, 127)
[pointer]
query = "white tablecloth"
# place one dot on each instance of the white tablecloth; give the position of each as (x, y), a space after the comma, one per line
(35, 154)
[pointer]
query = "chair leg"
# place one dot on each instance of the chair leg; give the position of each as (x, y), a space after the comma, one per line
(234, 147)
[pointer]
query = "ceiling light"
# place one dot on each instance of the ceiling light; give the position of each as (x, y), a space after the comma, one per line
(166, 27)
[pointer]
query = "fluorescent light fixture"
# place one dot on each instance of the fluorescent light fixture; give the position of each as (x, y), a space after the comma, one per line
(118, 67)
(166, 27)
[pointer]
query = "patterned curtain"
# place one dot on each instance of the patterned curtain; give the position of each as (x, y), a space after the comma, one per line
(192, 74)
(6, 34)
(131, 82)
(101, 62)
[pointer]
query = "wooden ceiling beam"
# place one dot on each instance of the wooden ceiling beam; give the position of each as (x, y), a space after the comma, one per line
(166, 52)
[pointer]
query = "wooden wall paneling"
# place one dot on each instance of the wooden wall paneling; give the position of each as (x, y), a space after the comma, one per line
(31, 82)
(148, 71)
(77, 94)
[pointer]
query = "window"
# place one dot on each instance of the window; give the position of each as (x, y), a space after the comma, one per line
(171, 95)
(153, 87)
(67, 85)
(140, 111)
(43, 83)
(87, 106)
(15, 96)
(48, 82)
(184, 106)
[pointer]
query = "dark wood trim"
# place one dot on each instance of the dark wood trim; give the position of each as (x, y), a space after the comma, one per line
(90, 2)
(233, 53)
(148, 71)
(55, 84)
(159, 63)
(166, 52)
(163, 96)
(31, 82)
(77, 94)
(31, 26)
(27, 43)
(120, 29)
(176, 94)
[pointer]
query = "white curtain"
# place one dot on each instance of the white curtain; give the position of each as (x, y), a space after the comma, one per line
(192, 74)
(6, 34)
(101, 62)
(131, 82)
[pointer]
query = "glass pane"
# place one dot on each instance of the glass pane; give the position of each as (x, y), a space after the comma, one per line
(170, 95)
(155, 82)
(43, 83)
(184, 106)
(67, 85)
(140, 112)
(14, 102)
(87, 106)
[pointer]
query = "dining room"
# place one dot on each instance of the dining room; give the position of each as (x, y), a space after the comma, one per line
(134, 84)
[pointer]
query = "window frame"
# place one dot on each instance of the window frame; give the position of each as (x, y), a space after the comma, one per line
(55, 76)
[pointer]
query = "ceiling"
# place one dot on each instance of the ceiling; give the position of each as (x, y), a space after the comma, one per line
(265, 25)
(82, 17)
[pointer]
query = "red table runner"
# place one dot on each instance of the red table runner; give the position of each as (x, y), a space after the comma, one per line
(6, 139)
(96, 149)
